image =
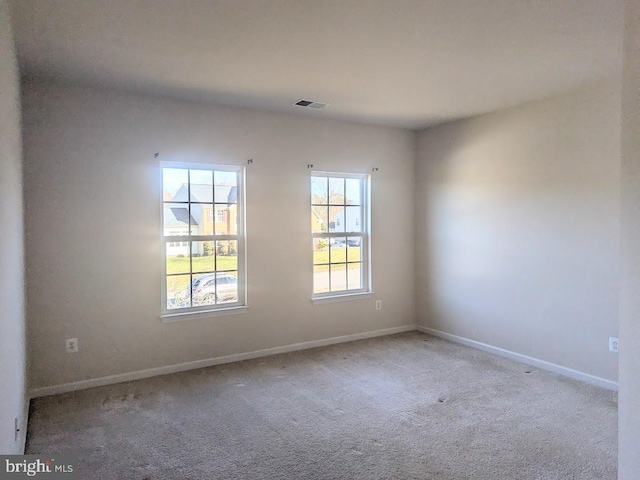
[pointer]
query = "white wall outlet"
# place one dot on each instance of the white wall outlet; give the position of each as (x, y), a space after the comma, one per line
(378, 304)
(72, 345)
(613, 344)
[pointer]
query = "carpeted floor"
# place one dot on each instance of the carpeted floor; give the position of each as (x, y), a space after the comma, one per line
(406, 406)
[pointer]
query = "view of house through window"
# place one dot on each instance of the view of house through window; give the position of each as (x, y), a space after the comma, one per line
(203, 241)
(339, 214)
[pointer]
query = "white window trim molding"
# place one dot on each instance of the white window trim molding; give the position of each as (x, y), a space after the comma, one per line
(342, 298)
(367, 289)
(203, 314)
(235, 308)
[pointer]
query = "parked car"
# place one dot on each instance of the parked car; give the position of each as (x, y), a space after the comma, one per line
(212, 288)
(340, 242)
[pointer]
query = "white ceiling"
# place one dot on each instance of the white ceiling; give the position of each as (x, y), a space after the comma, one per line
(408, 63)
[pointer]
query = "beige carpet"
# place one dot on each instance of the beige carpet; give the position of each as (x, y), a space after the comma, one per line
(407, 406)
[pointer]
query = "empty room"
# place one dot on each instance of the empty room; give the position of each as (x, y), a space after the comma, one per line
(320, 239)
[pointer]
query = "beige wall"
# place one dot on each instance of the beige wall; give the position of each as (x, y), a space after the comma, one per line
(12, 336)
(92, 219)
(629, 395)
(517, 229)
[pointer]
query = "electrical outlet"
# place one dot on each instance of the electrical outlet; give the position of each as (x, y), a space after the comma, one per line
(378, 304)
(72, 345)
(613, 344)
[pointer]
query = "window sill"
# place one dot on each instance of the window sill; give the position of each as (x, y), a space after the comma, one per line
(185, 316)
(342, 298)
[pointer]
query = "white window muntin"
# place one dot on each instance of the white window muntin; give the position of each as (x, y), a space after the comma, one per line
(189, 236)
(363, 221)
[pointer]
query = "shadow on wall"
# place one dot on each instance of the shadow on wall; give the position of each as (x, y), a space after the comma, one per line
(517, 228)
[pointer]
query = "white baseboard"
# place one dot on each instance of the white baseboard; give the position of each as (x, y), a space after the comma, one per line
(22, 436)
(534, 362)
(208, 362)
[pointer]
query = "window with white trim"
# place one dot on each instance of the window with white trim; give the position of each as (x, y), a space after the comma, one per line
(340, 231)
(203, 260)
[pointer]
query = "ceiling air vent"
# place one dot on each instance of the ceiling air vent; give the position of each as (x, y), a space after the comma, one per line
(310, 104)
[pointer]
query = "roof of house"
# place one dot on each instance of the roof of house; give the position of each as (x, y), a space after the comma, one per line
(175, 216)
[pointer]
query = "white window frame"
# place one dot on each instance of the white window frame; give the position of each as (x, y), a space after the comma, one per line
(180, 314)
(364, 234)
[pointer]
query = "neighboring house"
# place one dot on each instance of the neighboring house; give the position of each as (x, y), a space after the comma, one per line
(208, 215)
(176, 222)
(352, 223)
(336, 221)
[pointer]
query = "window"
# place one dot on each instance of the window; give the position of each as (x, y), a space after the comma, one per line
(203, 262)
(340, 231)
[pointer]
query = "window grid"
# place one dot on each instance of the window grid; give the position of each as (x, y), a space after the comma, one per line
(203, 247)
(346, 251)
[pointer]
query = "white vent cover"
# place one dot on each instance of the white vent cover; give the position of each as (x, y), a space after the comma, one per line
(309, 104)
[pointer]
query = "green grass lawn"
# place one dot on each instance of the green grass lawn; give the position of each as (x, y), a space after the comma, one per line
(337, 255)
(202, 264)
(230, 262)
